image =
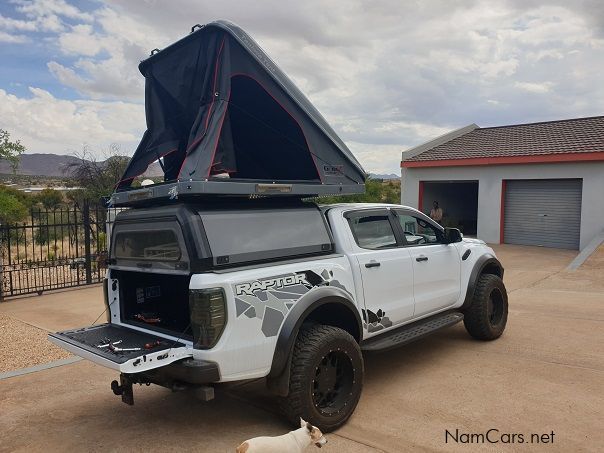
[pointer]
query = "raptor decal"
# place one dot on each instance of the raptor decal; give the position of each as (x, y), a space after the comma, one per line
(271, 283)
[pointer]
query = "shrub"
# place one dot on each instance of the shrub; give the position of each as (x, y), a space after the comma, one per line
(50, 198)
(11, 209)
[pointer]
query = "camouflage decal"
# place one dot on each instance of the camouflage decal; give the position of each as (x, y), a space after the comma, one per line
(375, 321)
(270, 299)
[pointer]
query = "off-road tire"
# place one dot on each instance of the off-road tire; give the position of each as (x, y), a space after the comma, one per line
(485, 319)
(315, 349)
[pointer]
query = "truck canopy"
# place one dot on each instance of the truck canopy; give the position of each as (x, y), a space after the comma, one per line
(219, 110)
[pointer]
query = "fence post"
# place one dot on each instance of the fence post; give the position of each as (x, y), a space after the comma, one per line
(86, 221)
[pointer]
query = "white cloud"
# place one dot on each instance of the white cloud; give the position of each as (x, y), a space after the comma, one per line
(42, 16)
(378, 158)
(47, 8)
(539, 88)
(13, 39)
(80, 40)
(8, 23)
(387, 75)
(47, 124)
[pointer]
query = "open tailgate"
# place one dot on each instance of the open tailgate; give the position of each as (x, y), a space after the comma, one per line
(121, 348)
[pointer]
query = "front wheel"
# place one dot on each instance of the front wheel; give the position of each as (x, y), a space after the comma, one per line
(326, 377)
(486, 318)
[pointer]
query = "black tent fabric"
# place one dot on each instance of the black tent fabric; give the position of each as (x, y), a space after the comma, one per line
(219, 109)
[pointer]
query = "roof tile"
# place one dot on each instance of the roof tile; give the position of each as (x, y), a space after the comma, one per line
(580, 135)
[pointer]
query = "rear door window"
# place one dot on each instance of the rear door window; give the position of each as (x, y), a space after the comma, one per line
(372, 230)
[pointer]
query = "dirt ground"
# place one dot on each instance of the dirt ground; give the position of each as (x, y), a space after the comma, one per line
(544, 376)
(22, 345)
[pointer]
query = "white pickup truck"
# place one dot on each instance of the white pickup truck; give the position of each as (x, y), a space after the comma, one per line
(198, 294)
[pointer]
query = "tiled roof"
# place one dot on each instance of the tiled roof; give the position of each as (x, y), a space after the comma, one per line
(581, 135)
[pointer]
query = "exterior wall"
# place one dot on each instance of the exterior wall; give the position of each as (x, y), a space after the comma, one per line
(489, 190)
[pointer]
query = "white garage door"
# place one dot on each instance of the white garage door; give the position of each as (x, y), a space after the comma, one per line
(545, 212)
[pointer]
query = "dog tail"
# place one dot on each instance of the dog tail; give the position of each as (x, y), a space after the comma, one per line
(243, 447)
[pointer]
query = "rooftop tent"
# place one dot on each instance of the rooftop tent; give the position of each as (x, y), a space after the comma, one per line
(223, 118)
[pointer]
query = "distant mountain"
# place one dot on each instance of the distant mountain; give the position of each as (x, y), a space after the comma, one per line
(154, 171)
(53, 165)
(39, 165)
(384, 176)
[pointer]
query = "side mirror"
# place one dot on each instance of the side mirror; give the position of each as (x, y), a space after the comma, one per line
(452, 235)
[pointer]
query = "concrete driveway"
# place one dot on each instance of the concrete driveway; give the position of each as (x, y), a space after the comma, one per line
(546, 374)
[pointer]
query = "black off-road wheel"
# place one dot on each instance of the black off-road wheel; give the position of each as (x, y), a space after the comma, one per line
(326, 377)
(486, 318)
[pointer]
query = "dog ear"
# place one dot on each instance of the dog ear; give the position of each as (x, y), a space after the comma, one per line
(309, 427)
(302, 423)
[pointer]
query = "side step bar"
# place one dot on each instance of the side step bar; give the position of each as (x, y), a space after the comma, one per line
(411, 332)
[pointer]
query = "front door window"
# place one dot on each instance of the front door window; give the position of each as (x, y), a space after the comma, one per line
(418, 231)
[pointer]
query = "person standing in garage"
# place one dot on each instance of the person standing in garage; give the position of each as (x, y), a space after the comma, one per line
(436, 213)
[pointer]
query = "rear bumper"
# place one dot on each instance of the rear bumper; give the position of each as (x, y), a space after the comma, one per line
(189, 371)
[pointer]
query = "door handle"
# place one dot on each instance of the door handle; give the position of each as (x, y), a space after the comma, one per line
(372, 264)
(421, 258)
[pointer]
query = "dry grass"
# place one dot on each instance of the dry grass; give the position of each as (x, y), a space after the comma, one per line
(23, 346)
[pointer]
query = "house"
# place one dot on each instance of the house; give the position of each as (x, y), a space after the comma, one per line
(532, 184)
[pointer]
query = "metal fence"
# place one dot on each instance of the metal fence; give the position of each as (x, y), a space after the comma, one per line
(53, 249)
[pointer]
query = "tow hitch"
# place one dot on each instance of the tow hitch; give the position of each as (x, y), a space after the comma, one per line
(124, 388)
(202, 392)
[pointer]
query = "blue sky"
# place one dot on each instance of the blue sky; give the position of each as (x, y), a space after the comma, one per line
(27, 63)
(388, 75)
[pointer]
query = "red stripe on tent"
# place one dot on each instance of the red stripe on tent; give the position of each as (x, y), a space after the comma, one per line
(218, 135)
(196, 142)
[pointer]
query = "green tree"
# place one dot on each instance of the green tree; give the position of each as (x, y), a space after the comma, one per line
(11, 209)
(10, 151)
(50, 198)
(376, 191)
(26, 199)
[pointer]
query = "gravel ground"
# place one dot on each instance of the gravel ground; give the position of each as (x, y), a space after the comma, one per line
(23, 346)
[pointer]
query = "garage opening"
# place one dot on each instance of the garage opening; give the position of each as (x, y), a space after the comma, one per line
(458, 201)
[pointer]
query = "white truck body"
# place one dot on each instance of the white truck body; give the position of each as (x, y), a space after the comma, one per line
(389, 267)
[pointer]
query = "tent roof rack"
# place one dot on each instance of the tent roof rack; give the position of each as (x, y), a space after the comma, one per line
(188, 190)
(223, 119)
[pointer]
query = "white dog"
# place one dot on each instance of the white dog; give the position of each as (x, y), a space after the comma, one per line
(292, 442)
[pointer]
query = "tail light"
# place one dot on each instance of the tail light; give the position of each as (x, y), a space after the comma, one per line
(208, 316)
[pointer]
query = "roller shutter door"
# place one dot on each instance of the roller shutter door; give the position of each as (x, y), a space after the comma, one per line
(544, 212)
